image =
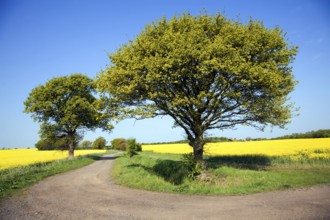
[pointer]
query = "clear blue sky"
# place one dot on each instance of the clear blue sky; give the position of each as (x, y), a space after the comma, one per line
(41, 39)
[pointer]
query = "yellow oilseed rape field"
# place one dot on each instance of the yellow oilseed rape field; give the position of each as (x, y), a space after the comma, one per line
(295, 148)
(21, 157)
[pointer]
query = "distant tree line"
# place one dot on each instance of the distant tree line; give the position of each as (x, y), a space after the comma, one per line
(125, 144)
(323, 133)
(207, 139)
(122, 144)
(61, 144)
(129, 145)
(167, 142)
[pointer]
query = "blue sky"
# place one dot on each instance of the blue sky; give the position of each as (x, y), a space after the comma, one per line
(41, 39)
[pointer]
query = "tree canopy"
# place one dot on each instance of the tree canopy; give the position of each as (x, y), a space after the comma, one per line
(86, 144)
(66, 106)
(99, 143)
(51, 144)
(206, 72)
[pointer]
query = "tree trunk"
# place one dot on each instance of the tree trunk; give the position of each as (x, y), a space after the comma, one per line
(198, 145)
(71, 148)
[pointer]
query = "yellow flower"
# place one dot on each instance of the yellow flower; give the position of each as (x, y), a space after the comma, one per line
(21, 157)
(288, 147)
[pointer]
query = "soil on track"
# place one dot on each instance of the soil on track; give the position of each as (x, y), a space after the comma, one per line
(89, 193)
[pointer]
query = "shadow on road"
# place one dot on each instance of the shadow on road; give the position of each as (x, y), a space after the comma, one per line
(107, 157)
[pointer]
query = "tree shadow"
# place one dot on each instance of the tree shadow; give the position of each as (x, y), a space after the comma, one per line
(99, 157)
(175, 172)
(171, 171)
(252, 162)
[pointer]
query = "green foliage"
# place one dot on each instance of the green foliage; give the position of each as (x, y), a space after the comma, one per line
(133, 147)
(52, 144)
(119, 144)
(99, 143)
(193, 167)
(206, 72)
(136, 146)
(325, 133)
(86, 144)
(215, 139)
(207, 140)
(44, 145)
(131, 151)
(65, 106)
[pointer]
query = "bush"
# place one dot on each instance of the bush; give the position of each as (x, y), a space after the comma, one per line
(119, 144)
(44, 145)
(133, 147)
(86, 144)
(192, 166)
(52, 144)
(138, 147)
(99, 143)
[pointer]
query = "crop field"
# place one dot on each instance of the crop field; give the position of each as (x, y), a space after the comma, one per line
(295, 148)
(22, 157)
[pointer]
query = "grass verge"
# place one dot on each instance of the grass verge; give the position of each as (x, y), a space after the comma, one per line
(14, 179)
(226, 175)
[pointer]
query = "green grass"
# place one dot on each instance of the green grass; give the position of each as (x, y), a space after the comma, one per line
(226, 175)
(14, 179)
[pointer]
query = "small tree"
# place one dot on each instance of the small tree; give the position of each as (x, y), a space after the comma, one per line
(133, 147)
(86, 144)
(51, 144)
(43, 144)
(65, 107)
(206, 72)
(119, 144)
(99, 143)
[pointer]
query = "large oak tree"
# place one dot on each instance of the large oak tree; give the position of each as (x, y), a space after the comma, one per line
(66, 106)
(206, 72)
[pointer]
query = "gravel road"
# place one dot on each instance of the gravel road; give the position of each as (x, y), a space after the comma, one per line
(89, 193)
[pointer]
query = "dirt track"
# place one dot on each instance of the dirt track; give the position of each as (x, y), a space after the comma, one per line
(89, 193)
